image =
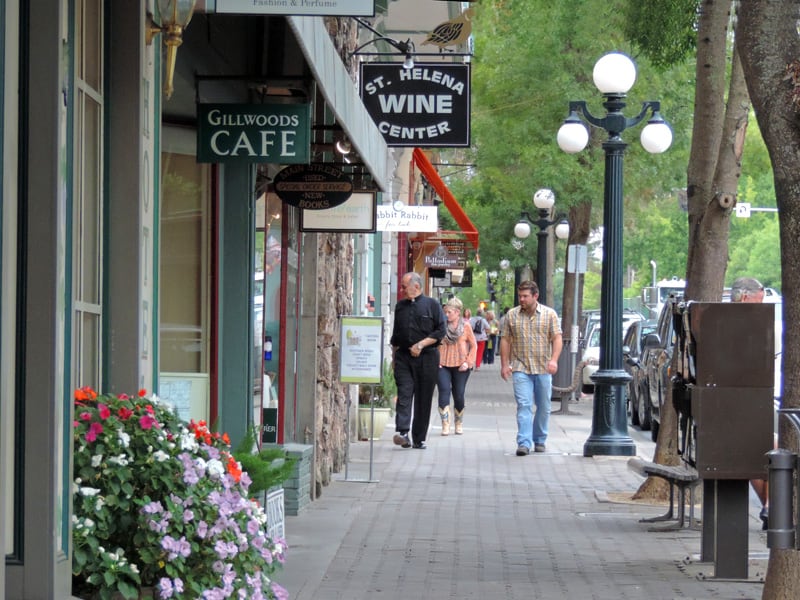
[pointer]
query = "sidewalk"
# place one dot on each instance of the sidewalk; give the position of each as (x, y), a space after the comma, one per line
(467, 518)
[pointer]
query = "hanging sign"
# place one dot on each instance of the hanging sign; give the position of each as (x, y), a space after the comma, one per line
(427, 106)
(253, 133)
(408, 218)
(313, 187)
(355, 215)
(322, 8)
(440, 258)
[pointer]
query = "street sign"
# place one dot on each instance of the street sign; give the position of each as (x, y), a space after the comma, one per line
(743, 209)
(577, 257)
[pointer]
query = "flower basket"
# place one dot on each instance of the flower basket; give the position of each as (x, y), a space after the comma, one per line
(162, 505)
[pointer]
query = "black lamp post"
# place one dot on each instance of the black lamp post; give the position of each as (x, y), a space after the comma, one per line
(543, 200)
(614, 74)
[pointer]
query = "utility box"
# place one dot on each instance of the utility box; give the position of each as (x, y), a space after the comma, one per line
(733, 350)
(734, 344)
(734, 431)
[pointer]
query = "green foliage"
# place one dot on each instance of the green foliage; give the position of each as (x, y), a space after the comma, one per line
(267, 468)
(383, 393)
(663, 30)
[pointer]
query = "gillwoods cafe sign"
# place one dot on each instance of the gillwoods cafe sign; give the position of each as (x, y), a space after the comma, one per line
(257, 133)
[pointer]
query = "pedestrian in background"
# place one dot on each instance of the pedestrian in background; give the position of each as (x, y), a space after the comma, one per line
(747, 289)
(491, 342)
(456, 359)
(530, 344)
(419, 327)
(480, 327)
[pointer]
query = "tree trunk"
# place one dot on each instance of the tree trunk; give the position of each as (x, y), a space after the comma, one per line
(712, 177)
(708, 221)
(769, 49)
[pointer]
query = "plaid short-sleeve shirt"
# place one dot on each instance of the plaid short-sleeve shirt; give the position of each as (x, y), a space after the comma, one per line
(531, 338)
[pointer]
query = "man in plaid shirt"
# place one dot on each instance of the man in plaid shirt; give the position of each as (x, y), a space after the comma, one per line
(530, 345)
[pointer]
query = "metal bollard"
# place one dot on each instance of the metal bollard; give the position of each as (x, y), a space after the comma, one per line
(781, 533)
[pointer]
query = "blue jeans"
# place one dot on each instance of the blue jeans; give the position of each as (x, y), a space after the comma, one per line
(451, 379)
(530, 390)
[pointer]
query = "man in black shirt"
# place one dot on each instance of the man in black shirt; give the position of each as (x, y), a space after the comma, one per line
(419, 326)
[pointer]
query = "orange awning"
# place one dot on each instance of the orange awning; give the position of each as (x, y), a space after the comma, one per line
(468, 229)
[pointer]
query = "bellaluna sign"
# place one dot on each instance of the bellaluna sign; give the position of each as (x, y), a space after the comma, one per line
(427, 106)
(255, 133)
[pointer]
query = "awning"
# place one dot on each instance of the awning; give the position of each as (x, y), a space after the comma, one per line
(340, 93)
(468, 229)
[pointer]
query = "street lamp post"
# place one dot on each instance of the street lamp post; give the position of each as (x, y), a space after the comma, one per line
(614, 74)
(543, 200)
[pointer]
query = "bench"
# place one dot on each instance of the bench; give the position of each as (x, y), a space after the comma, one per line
(681, 477)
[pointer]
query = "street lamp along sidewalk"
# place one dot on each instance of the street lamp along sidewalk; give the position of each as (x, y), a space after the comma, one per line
(614, 74)
(543, 200)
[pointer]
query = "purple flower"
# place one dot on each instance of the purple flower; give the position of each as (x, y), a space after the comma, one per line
(175, 547)
(188, 516)
(280, 592)
(165, 587)
(153, 508)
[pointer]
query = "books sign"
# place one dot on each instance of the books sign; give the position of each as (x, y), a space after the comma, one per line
(313, 187)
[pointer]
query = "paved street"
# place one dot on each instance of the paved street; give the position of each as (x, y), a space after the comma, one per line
(466, 518)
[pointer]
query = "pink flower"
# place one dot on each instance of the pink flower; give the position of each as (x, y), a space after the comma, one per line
(104, 411)
(147, 422)
(85, 416)
(124, 413)
(94, 430)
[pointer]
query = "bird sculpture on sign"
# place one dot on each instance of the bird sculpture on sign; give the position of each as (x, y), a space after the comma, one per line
(452, 32)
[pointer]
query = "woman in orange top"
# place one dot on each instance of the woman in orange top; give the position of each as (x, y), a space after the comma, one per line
(456, 360)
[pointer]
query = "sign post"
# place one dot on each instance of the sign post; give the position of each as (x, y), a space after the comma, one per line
(577, 258)
(361, 361)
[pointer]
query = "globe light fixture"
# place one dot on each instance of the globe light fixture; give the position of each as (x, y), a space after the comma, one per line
(544, 200)
(614, 75)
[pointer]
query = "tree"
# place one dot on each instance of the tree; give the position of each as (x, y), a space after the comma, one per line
(769, 47)
(531, 58)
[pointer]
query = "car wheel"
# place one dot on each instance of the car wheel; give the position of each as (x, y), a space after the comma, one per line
(645, 419)
(633, 403)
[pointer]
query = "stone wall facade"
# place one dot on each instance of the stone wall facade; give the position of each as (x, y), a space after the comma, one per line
(334, 298)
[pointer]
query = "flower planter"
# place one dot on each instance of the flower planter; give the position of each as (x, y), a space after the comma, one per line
(382, 416)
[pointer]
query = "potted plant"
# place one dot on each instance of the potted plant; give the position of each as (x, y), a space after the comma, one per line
(162, 507)
(382, 397)
(268, 468)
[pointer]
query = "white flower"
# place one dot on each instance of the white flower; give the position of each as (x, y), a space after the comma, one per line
(160, 456)
(134, 568)
(124, 438)
(99, 504)
(89, 491)
(121, 460)
(188, 441)
(87, 522)
(215, 469)
(97, 460)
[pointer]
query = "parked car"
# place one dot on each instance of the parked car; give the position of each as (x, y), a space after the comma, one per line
(592, 352)
(591, 343)
(655, 360)
(632, 345)
(591, 318)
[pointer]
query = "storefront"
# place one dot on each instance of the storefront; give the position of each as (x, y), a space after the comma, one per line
(129, 264)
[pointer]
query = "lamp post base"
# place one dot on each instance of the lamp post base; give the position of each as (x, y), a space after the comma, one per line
(609, 435)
